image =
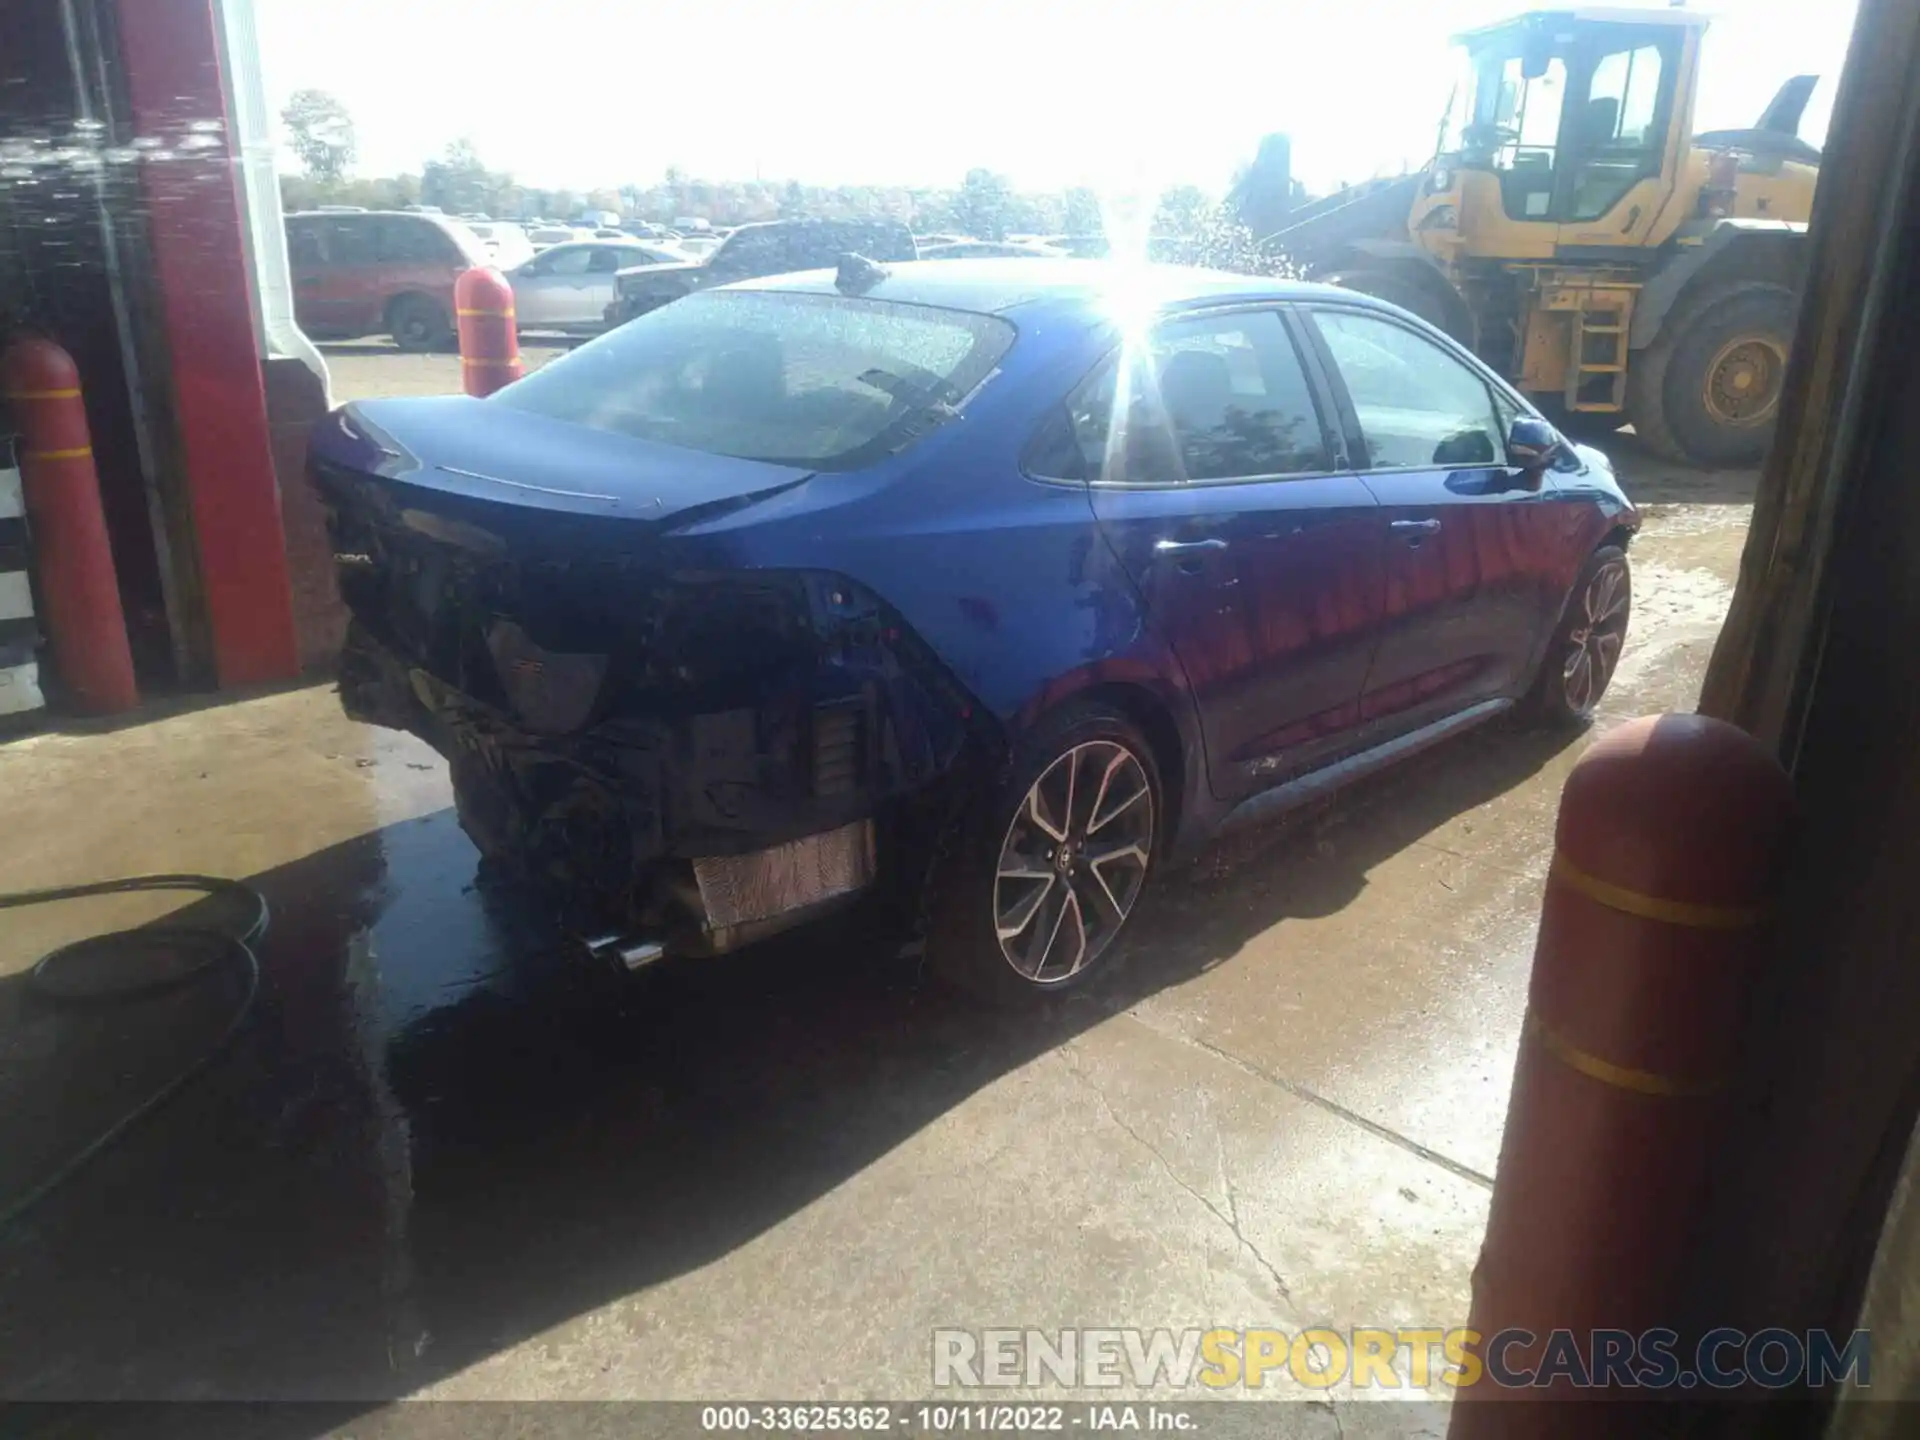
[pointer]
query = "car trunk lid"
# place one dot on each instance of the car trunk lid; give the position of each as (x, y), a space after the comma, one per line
(459, 455)
(516, 577)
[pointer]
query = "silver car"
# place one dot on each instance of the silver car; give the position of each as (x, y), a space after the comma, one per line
(569, 287)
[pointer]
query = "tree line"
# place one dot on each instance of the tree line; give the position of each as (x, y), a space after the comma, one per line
(984, 204)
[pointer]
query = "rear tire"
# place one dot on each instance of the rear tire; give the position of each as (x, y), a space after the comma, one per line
(418, 323)
(1584, 652)
(1708, 390)
(1044, 874)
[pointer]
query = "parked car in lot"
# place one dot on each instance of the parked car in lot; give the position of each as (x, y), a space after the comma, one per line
(543, 237)
(1000, 582)
(569, 287)
(506, 243)
(773, 247)
(990, 250)
(1081, 247)
(378, 272)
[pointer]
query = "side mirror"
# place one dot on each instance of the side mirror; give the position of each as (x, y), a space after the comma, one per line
(1533, 444)
(1536, 56)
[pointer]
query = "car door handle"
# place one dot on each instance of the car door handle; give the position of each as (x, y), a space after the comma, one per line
(1188, 547)
(1413, 529)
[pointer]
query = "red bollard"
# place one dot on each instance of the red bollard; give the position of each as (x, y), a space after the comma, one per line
(73, 559)
(1668, 832)
(489, 344)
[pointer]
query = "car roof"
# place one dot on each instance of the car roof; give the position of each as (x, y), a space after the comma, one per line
(814, 222)
(1674, 15)
(363, 217)
(991, 287)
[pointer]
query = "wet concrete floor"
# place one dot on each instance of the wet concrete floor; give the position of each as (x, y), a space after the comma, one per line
(445, 1160)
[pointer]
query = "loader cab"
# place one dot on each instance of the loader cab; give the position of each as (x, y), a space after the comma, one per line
(1567, 128)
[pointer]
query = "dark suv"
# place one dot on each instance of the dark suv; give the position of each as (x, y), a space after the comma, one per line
(378, 272)
(775, 247)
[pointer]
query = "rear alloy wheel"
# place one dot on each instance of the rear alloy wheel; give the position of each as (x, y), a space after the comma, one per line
(418, 323)
(1585, 650)
(1041, 880)
(1073, 862)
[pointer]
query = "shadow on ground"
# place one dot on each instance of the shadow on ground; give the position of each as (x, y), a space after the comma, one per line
(1652, 479)
(440, 1135)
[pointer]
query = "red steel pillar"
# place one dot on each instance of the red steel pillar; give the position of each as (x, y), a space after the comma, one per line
(171, 50)
(73, 560)
(1668, 832)
(489, 343)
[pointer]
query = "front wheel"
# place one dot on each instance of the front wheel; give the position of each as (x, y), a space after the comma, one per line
(1042, 879)
(1585, 648)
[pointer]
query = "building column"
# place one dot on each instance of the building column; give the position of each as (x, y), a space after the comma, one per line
(172, 56)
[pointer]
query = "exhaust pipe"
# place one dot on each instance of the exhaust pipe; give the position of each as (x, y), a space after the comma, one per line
(630, 952)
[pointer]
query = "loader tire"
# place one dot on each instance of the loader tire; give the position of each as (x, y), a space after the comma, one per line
(1707, 391)
(1396, 289)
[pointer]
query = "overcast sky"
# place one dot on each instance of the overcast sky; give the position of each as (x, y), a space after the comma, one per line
(584, 93)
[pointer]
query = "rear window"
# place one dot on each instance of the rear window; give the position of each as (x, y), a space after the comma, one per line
(826, 382)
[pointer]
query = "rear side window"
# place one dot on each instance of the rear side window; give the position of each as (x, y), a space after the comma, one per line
(1417, 405)
(1236, 397)
(827, 382)
(1209, 397)
(348, 241)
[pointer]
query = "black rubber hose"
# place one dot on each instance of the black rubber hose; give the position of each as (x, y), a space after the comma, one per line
(82, 973)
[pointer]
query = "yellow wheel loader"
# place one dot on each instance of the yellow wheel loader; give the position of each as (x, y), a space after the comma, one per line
(1574, 231)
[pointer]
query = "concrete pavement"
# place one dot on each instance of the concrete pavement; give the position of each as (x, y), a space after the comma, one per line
(443, 1161)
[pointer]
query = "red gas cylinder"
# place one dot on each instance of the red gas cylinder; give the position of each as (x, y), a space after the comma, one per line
(73, 560)
(489, 344)
(1668, 833)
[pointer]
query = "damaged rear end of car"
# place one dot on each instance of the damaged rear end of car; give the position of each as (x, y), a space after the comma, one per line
(682, 751)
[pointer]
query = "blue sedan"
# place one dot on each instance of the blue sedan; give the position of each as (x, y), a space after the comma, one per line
(995, 584)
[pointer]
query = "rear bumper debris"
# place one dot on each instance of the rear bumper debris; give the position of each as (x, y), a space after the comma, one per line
(699, 831)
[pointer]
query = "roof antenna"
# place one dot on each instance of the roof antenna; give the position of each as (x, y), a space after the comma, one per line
(857, 274)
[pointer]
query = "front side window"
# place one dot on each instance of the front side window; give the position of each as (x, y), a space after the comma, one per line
(827, 382)
(566, 260)
(420, 241)
(1417, 405)
(1526, 128)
